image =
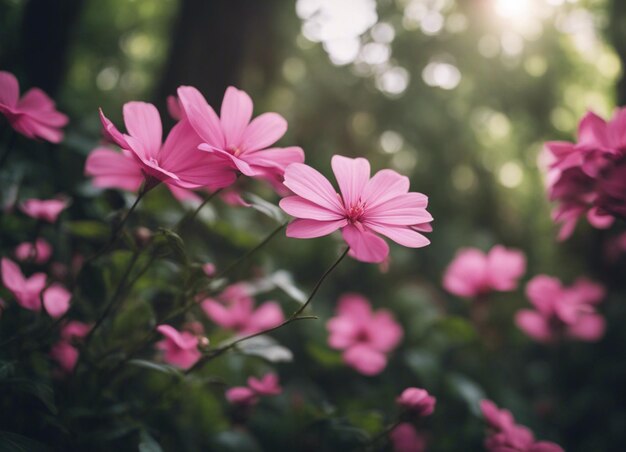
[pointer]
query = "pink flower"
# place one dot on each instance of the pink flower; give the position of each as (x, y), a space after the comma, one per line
(180, 348)
(366, 207)
(209, 269)
(177, 161)
(473, 273)
(239, 315)
(417, 401)
(405, 438)
(34, 115)
(64, 352)
(505, 436)
(75, 330)
(44, 209)
(268, 385)
(562, 311)
(38, 252)
(56, 300)
(27, 291)
(366, 337)
(243, 143)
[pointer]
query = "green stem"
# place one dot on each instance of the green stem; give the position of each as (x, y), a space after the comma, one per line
(195, 213)
(292, 318)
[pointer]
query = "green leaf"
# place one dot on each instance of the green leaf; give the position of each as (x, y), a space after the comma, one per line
(266, 208)
(457, 329)
(175, 243)
(324, 355)
(267, 348)
(164, 368)
(12, 442)
(148, 443)
(468, 390)
(88, 229)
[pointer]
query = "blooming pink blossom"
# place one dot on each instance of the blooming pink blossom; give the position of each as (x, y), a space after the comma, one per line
(405, 438)
(243, 143)
(366, 337)
(39, 252)
(180, 348)
(505, 436)
(239, 314)
(473, 273)
(367, 207)
(267, 385)
(562, 312)
(64, 352)
(34, 115)
(177, 161)
(44, 209)
(27, 291)
(56, 300)
(417, 400)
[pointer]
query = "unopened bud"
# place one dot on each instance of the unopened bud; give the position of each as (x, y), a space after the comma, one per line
(142, 236)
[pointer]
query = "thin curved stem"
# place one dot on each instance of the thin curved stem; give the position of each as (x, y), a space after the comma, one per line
(195, 213)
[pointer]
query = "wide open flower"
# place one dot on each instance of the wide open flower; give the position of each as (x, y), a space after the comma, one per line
(562, 311)
(177, 161)
(366, 337)
(367, 207)
(241, 316)
(473, 273)
(504, 435)
(243, 143)
(44, 209)
(180, 348)
(34, 115)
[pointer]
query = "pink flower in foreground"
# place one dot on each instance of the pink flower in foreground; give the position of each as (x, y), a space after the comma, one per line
(505, 436)
(562, 312)
(366, 337)
(473, 273)
(34, 115)
(56, 300)
(38, 252)
(367, 207)
(180, 348)
(177, 161)
(405, 438)
(267, 385)
(418, 401)
(27, 291)
(239, 315)
(44, 209)
(64, 352)
(243, 143)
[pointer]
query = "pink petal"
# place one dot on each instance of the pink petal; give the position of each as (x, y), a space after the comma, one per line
(545, 446)
(39, 252)
(202, 117)
(235, 115)
(183, 340)
(406, 209)
(534, 325)
(364, 245)
(267, 385)
(352, 176)
(9, 89)
(365, 359)
(385, 333)
(112, 133)
(275, 159)
(236, 162)
(65, 354)
(543, 292)
(56, 300)
(592, 131)
(218, 313)
(383, 186)
(12, 277)
(599, 220)
(308, 183)
(354, 306)
(402, 235)
(263, 131)
(308, 229)
(343, 332)
(589, 327)
(182, 194)
(505, 267)
(143, 123)
(301, 208)
(466, 274)
(406, 439)
(241, 395)
(174, 108)
(268, 315)
(111, 169)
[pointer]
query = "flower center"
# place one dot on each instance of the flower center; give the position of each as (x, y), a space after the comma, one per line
(355, 211)
(234, 150)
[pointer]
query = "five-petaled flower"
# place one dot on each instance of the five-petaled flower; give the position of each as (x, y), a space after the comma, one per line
(34, 115)
(367, 207)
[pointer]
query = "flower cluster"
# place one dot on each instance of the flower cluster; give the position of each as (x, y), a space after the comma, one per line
(505, 435)
(562, 312)
(247, 396)
(589, 177)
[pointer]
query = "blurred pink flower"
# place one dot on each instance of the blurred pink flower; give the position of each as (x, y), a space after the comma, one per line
(27, 291)
(267, 385)
(209, 269)
(38, 252)
(180, 348)
(174, 108)
(239, 314)
(177, 161)
(562, 311)
(243, 143)
(473, 273)
(64, 352)
(367, 207)
(74, 329)
(56, 300)
(418, 401)
(365, 336)
(405, 438)
(505, 436)
(44, 209)
(34, 115)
